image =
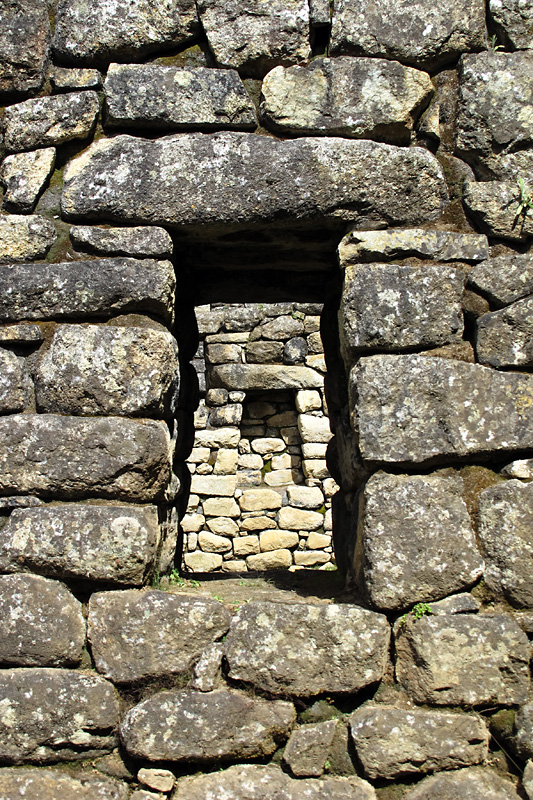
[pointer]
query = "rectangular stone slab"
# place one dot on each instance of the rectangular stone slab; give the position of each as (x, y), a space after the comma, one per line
(242, 377)
(415, 409)
(236, 179)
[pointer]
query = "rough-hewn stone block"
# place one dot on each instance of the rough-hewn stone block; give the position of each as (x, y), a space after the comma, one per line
(139, 242)
(46, 121)
(24, 43)
(265, 376)
(24, 176)
(494, 205)
(471, 782)
(22, 238)
(505, 338)
(14, 383)
(503, 279)
(387, 245)
(513, 19)
(35, 783)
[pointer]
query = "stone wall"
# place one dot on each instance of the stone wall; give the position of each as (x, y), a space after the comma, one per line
(230, 157)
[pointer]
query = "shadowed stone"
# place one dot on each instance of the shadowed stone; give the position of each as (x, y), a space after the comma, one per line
(143, 634)
(22, 238)
(513, 20)
(221, 725)
(392, 742)
(494, 205)
(474, 782)
(106, 30)
(84, 289)
(503, 279)
(24, 42)
(308, 748)
(139, 242)
(423, 33)
(14, 383)
(463, 660)
(505, 338)
(455, 409)
(24, 176)
(363, 98)
(171, 98)
(47, 121)
(55, 715)
(30, 607)
(253, 179)
(505, 521)
(50, 784)
(116, 544)
(72, 456)
(523, 739)
(248, 782)
(330, 648)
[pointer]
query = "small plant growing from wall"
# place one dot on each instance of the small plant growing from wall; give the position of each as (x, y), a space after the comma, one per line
(416, 613)
(525, 200)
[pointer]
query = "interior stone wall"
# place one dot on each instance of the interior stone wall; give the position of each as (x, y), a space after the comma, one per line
(370, 160)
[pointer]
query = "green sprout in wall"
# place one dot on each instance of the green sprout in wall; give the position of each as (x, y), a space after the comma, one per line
(416, 613)
(525, 200)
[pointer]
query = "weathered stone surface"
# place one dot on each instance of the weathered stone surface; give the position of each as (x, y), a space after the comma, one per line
(24, 176)
(506, 537)
(212, 543)
(493, 205)
(527, 779)
(398, 307)
(206, 671)
(23, 333)
(273, 559)
(297, 519)
(13, 383)
(161, 780)
(66, 457)
(47, 121)
(64, 79)
(24, 237)
(50, 784)
(494, 119)
(331, 648)
(102, 31)
(513, 19)
(274, 540)
(305, 496)
(55, 715)
(423, 34)
(503, 279)
(218, 485)
(139, 242)
(80, 288)
(523, 739)
(462, 603)
(265, 376)
(253, 179)
(24, 43)
(103, 369)
(177, 98)
(142, 634)
(308, 747)
(363, 98)
(521, 468)
(387, 245)
(415, 540)
(463, 659)
(30, 607)
(248, 782)
(116, 544)
(221, 725)
(391, 742)
(254, 36)
(455, 409)
(505, 338)
(314, 429)
(474, 782)
(260, 500)
(202, 562)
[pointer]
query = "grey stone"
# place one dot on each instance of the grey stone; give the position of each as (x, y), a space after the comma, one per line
(115, 544)
(391, 244)
(106, 369)
(46, 121)
(226, 415)
(397, 307)
(415, 541)
(164, 98)
(254, 179)
(317, 648)
(25, 333)
(36, 783)
(505, 338)
(474, 782)
(14, 383)
(72, 457)
(523, 739)
(30, 607)
(363, 98)
(253, 36)
(279, 328)
(218, 725)
(140, 242)
(455, 409)
(249, 782)
(494, 206)
(24, 176)
(55, 715)
(493, 120)
(319, 12)
(503, 279)
(462, 603)
(206, 671)
(459, 659)
(101, 32)
(307, 750)
(295, 350)
(392, 742)
(160, 780)
(505, 533)
(423, 34)
(527, 780)
(64, 79)
(25, 238)
(24, 43)
(83, 289)
(144, 634)
(265, 376)
(513, 20)
(521, 468)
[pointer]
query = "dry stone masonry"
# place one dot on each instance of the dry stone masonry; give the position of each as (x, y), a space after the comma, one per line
(266, 400)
